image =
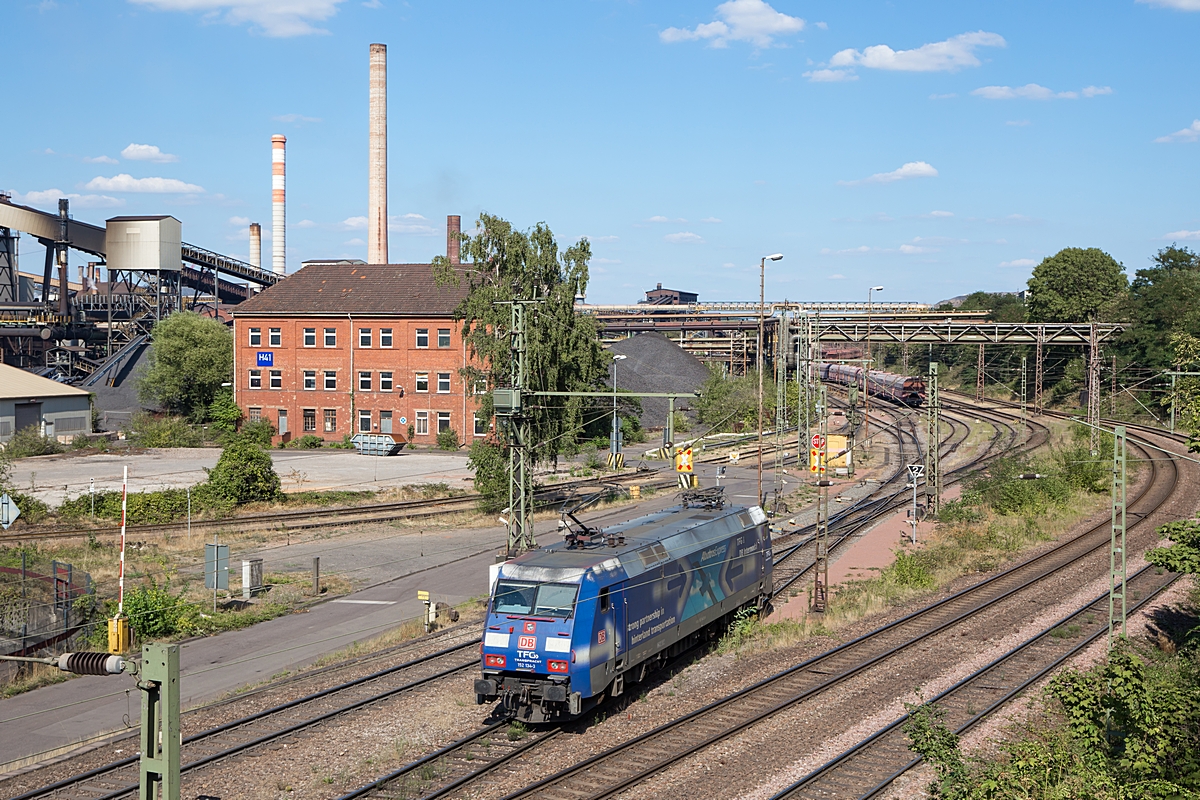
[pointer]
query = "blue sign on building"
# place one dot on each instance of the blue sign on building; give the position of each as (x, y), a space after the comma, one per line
(266, 359)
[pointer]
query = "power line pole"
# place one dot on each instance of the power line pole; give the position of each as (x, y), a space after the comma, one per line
(1037, 370)
(780, 350)
(933, 424)
(517, 425)
(1024, 376)
(1116, 547)
(1093, 390)
(979, 374)
(820, 597)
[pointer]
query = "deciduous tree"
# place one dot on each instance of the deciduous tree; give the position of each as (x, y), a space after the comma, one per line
(1076, 285)
(190, 357)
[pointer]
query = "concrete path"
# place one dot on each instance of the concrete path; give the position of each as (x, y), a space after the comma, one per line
(451, 564)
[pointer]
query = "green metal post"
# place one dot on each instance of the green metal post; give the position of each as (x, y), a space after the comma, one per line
(159, 681)
(1116, 550)
(820, 597)
(1024, 367)
(933, 427)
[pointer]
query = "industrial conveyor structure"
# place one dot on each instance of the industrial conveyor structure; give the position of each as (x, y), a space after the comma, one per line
(74, 330)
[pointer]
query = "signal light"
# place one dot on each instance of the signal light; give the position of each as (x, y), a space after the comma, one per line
(491, 660)
(557, 666)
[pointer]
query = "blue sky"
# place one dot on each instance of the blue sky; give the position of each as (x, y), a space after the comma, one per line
(934, 148)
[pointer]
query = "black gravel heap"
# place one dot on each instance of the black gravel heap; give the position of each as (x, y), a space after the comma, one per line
(654, 363)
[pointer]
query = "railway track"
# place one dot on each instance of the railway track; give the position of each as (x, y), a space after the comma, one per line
(631, 762)
(265, 728)
(869, 767)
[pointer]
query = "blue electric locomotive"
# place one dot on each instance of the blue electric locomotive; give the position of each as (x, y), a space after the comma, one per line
(578, 621)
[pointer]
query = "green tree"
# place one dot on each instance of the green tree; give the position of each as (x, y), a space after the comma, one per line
(1184, 555)
(1001, 306)
(190, 357)
(563, 351)
(223, 411)
(1076, 285)
(244, 474)
(1164, 300)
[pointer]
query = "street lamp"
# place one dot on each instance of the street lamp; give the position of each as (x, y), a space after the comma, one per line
(616, 426)
(867, 377)
(762, 275)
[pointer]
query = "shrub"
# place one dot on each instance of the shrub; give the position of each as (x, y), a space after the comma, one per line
(260, 432)
(154, 612)
(307, 442)
(447, 439)
(29, 441)
(909, 569)
(244, 474)
(223, 412)
(33, 511)
(148, 430)
(487, 460)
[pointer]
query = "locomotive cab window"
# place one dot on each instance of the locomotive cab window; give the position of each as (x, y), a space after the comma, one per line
(604, 601)
(520, 598)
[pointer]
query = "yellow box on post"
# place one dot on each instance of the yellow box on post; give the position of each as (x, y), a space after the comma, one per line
(118, 635)
(635, 492)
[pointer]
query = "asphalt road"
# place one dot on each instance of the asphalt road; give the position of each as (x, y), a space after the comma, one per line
(451, 565)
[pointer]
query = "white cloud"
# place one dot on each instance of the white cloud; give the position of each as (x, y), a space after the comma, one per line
(948, 56)
(127, 183)
(912, 249)
(295, 118)
(661, 218)
(750, 21)
(599, 238)
(1030, 91)
(606, 261)
(948, 96)
(274, 17)
(1095, 91)
(837, 276)
(1177, 235)
(355, 242)
(409, 215)
(239, 221)
(355, 223)
(711, 220)
(305, 223)
(1178, 5)
(1189, 134)
(830, 75)
(1020, 262)
(411, 223)
(822, 25)
(50, 197)
(99, 160)
(684, 237)
(147, 152)
(729, 265)
(941, 213)
(913, 169)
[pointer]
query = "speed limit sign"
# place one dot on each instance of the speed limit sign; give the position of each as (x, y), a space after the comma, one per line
(818, 441)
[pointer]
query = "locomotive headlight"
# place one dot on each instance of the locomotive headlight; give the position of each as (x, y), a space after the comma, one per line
(491, 660)
(557, 666)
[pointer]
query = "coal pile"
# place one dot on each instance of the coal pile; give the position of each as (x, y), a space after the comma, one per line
(653, 363)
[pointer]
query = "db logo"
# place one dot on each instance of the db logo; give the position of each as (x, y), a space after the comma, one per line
(601, 636)
(527, 643)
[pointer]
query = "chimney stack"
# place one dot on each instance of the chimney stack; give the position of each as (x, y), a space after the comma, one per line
(377, 210)
(256, 244)
(278, 223)
(453, 227)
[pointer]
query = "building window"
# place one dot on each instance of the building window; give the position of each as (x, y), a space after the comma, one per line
(330, 381)
(385, 381)
(331, 337)
(364, 381)
(310, 379)
(480, 386)
(443, 383)
(443, 421)
(364, 421)
(274, 337)
(422, 381)
(331, 420)
(310, 337)
(385, 337)
(364, 337)
(481, 426)
(422, 337)
(276, 379)
(422, 423)
(443, 337)
(310, 420)
(253, 414)
(255, 337)
(256, 379)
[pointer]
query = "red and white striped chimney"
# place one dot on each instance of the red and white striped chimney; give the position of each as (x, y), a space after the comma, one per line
(256, 244)
(278, 219)
(377, 207)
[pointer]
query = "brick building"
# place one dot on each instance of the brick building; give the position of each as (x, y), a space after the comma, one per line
(339, 349)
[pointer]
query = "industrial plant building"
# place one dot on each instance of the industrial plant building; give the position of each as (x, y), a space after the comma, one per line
(30, 401)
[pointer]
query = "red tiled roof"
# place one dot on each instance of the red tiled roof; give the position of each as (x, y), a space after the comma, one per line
(393, 289)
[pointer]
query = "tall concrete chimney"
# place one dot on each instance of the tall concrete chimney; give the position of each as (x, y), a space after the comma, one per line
(377, 209)
(453, 227)
(256, 244)
(278, 220)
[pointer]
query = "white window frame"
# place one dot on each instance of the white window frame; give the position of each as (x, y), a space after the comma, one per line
(253, 414)
(422, 332)
(255, 337)
(385, 338)
(276, 378)
(328, 333)
(310, 337)
(385, 381)
(364, 377)
(364, 414)
(368, 335)
(449, 340)
(476, 425)
(330, 413)
(421, 423)
(274, 337)
(330, 375)
(310, 380)
(443, 416)
(443, 377)
(421, 377)
(305, 417)
(255, 379)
